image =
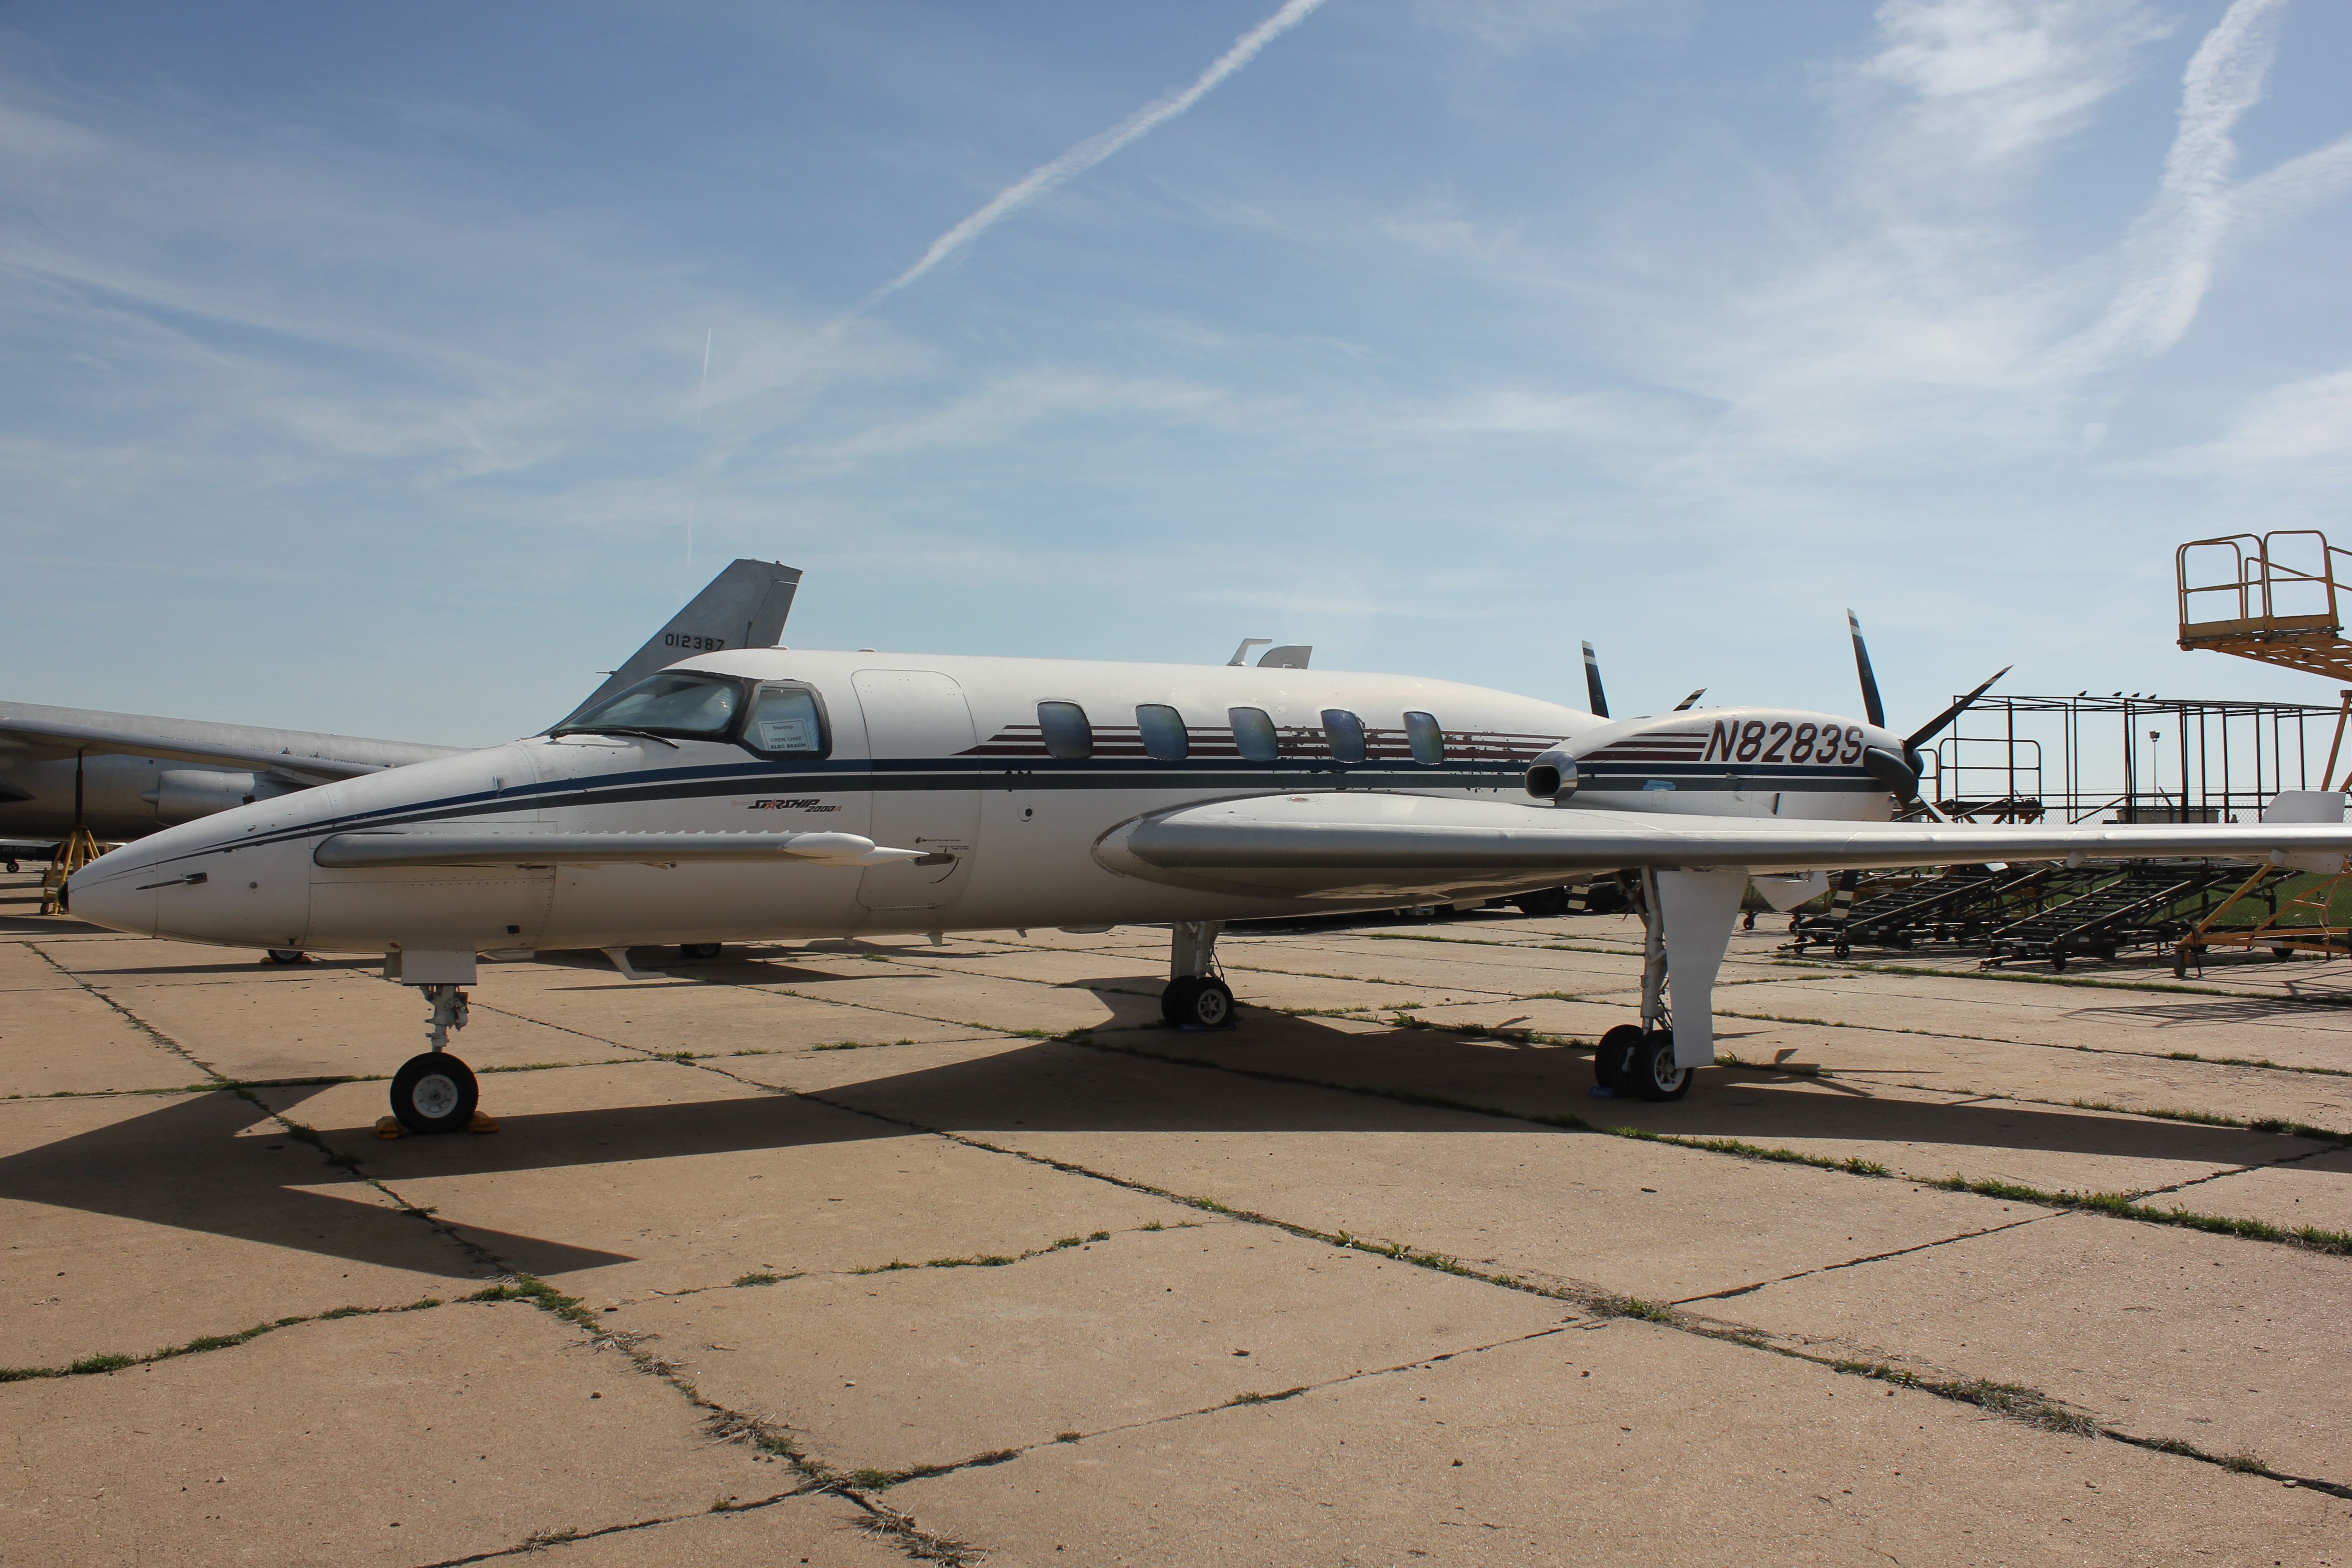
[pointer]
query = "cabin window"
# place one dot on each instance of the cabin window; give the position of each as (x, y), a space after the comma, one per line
(1164, 735)
(1254, 734)
(1067, 733)
(1345, 733)
(787, 720)
(1426, 737)
(675, 703)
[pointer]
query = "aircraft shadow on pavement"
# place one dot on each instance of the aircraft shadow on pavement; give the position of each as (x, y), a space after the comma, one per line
(182, 1164)
(2214, 1010)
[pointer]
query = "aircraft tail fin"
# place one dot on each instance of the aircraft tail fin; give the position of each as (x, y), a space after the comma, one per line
(744, 606)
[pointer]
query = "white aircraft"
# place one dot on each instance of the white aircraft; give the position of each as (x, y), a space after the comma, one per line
(123, 775)
(780, 795)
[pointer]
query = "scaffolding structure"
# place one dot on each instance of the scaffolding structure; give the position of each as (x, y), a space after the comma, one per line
(2122, 758)
(2274, 598)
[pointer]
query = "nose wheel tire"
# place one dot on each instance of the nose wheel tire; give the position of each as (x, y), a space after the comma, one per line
(1197, 1004)
(435, 1092)
(1612, 1058)
(1651, 1068)
(286, 955)
(698, 950)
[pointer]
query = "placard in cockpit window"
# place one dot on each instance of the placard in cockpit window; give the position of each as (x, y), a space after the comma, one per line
(786, 719)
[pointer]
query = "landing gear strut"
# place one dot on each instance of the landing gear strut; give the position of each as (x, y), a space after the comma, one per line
(1195, 998)
(436, 1092)
(1639, 1059)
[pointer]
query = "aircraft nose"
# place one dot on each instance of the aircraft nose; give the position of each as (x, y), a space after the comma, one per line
(108, 892)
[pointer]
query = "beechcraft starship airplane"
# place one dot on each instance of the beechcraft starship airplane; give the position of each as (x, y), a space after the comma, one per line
(762, 795)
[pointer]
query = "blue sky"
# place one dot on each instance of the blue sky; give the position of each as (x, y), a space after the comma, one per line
(355, 356)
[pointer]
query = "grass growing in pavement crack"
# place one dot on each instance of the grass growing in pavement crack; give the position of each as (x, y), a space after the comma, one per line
(2129, 1206)
(202, 1342)
(1255, 1398)
(2002, 1399)
(2122, 1206)
(2209, 1119)
(900, 1530)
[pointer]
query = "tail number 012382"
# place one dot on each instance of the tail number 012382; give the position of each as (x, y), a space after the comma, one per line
(1779, 741)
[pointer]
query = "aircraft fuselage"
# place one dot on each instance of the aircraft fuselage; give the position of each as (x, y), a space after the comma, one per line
(950, 756)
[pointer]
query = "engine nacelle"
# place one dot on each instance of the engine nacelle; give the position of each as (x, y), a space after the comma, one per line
(182, 794)
(1738, 761)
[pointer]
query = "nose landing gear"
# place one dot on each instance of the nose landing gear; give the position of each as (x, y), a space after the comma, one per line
(436, 1092)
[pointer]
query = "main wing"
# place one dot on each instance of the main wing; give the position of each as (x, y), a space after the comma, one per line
(1347, 844)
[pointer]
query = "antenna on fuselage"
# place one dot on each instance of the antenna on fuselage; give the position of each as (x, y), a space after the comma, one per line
(1598, 699)
(1686, 701)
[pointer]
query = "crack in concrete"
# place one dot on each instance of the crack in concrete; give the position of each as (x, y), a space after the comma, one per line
(1858, 1262)
(744, 1426)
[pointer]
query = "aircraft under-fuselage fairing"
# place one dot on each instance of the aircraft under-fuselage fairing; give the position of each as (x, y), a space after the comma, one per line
(124, 775)
(779, 794)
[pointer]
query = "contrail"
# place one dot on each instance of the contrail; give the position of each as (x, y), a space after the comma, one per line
(2178, 236)
(1094, 149)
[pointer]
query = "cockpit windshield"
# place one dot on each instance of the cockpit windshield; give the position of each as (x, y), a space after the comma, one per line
(675, 703)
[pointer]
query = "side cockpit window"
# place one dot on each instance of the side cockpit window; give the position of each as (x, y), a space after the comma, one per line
(1426, 737)
(1254, 734)
(787, 720)
(1067, 733)
(1164, 735)
(1345, 733)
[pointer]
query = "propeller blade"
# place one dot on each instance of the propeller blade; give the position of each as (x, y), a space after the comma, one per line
(1598, 698)
(1935, 726)
(1872, 708)
(1691, 699)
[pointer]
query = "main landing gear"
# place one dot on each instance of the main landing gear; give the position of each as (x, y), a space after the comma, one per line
(1637, 1060)
(1195, 998)
(1634, 1062)
(436, 1092)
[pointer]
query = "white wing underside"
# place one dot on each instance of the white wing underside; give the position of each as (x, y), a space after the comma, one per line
(1342, 844)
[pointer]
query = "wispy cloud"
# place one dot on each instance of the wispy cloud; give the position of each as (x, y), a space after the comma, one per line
(2302, 422)
(2170, 253)
(1045, 177)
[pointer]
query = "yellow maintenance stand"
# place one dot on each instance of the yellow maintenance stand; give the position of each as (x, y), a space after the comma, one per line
(2275, 598)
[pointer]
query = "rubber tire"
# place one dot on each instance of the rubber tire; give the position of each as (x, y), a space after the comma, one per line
(705, 950)
(1204, 1004)
(1610, 1056)
(2281, 954)
(284, 956)
(2057, 964)
(445, 1086)
(1543, 903)
(1652, 1072)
